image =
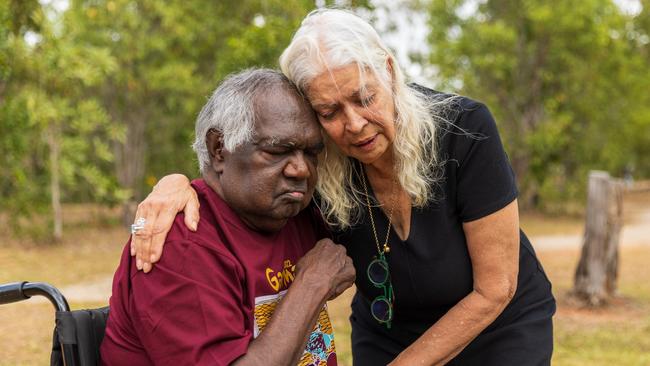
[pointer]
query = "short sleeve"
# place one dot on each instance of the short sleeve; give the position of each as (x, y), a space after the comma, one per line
(190, 309)
(485, 181)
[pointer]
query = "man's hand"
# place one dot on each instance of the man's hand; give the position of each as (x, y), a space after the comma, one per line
(172, 194)
(326, 269)
(321, 275)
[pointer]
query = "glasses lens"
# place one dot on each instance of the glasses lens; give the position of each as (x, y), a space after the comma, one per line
(381, 309)
(378, 272)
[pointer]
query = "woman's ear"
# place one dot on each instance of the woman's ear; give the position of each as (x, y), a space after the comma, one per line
(214, 142)
(391, 72)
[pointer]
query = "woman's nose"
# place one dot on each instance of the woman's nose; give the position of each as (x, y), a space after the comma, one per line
(355, 121)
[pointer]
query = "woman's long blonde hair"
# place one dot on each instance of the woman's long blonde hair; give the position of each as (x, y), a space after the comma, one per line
(328, 39)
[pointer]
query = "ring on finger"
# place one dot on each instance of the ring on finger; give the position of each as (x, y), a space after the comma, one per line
(138, 225)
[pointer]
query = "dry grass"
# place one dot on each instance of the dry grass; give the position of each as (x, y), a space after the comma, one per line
(615, 335)
(83, 255)
(88, 252)
(26, 335)
(537, 224)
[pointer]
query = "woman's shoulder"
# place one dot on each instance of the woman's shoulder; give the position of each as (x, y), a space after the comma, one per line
(452, 109)
(437, 95)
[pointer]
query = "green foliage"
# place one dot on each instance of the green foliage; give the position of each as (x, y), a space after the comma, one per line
(563, 79)
(47, 115)
(21, 176)
(111, 88)
(169, 57)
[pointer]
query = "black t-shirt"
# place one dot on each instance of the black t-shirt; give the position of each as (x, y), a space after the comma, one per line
(431, 271)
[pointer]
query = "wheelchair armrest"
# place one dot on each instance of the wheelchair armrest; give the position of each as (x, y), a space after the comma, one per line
(12, 292)
(19, 291)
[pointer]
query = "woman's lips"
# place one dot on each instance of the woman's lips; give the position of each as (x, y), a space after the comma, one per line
(367, 144)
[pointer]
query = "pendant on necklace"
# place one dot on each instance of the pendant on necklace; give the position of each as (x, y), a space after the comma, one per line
(386, 248)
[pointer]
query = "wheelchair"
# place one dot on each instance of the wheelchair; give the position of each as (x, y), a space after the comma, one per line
(77, 334)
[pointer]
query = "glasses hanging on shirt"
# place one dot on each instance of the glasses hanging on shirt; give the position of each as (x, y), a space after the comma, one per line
(381, 307)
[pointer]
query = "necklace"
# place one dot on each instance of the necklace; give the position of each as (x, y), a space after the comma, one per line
(385, 248)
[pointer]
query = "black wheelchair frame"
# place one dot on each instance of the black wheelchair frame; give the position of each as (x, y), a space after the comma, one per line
(78, 334)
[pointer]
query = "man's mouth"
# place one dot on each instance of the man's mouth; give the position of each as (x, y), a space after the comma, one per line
(294, 194)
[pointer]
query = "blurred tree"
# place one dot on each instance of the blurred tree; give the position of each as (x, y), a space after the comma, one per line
(559, 76)
(21, 180)
(636, 136)
(55, 135)
(169, 56)
(99, 98)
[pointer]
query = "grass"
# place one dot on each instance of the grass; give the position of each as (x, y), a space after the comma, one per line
(615, 335)
(87, 253)
(618, 334)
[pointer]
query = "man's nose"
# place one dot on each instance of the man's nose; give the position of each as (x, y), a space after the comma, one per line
(355, 121)
(298, 166)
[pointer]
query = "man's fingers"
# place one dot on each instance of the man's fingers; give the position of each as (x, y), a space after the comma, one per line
(340, 289)
(191, 211)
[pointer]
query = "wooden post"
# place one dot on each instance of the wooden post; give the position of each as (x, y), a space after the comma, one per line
(597, 271)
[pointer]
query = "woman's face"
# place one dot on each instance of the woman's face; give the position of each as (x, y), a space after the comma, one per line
(359, 118)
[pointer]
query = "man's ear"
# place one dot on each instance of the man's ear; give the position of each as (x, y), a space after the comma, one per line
(214, 141)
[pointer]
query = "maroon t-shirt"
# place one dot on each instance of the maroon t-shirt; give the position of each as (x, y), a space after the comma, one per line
(212, 291)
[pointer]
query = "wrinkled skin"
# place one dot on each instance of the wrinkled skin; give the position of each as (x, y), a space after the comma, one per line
(270, 179)
(357, 113)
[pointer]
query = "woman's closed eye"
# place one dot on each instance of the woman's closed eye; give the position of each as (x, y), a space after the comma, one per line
(327, 115)
(367, 100)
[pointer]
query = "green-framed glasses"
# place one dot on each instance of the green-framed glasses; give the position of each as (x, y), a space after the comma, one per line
(381, 307)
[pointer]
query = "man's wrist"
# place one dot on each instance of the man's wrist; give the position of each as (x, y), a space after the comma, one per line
(312, 286)
(175, 180)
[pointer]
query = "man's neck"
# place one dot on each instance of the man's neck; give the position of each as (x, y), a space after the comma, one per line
(257, 223)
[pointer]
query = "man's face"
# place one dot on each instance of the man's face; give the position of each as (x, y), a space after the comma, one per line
(272, 178)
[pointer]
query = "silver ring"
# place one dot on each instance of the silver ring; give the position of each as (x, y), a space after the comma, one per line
(138, 225)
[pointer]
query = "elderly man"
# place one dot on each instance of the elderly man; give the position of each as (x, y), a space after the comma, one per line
(249, 286)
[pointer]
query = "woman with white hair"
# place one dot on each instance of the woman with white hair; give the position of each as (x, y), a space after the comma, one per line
(417, 186)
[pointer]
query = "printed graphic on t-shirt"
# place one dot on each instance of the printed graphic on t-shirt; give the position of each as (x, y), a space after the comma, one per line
(281, 278)
(320, 350)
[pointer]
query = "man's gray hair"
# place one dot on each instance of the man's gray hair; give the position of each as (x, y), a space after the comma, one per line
(231, 110)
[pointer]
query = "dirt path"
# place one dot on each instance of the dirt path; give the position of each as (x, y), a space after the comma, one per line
(635, 232)
(631, 235)
(98, 290)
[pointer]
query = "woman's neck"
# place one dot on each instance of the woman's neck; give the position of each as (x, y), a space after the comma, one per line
(383, 168)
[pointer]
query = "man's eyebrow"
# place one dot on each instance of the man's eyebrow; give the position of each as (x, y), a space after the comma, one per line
(277, 142)
(274, 141)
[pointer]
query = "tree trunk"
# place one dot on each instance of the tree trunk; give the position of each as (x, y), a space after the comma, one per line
(130, 161)
(55, 186)
(597, 271)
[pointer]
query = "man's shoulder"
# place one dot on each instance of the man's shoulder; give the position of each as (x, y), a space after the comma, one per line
(207, 241)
